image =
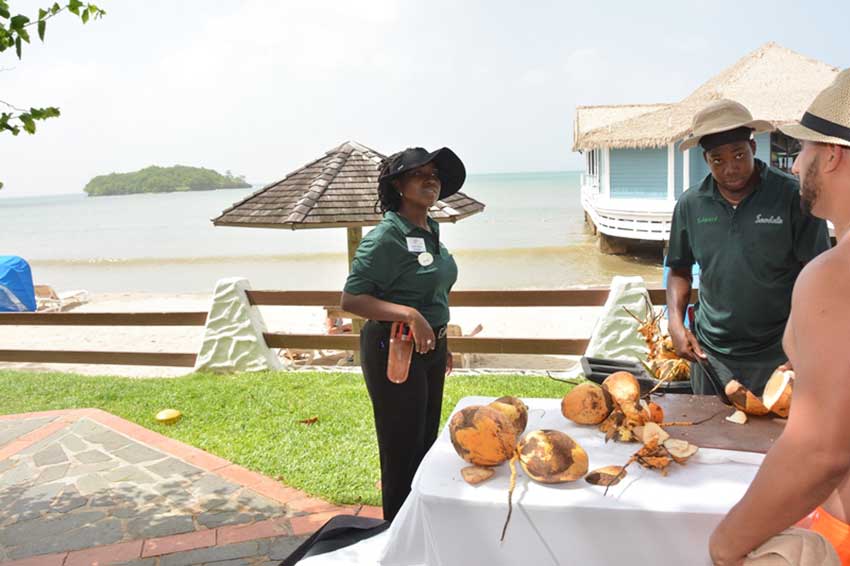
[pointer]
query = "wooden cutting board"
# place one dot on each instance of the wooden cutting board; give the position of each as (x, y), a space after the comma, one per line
(758, 435)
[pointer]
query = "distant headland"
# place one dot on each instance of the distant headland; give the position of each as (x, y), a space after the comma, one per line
(155, 179)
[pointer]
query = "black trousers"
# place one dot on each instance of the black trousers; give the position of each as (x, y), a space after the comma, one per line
(407, 415)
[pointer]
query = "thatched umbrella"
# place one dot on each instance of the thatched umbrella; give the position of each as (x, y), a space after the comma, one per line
(774, 83)
(338, 190)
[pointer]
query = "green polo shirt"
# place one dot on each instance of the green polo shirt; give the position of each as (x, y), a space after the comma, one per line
(749, 258)
(387, 266)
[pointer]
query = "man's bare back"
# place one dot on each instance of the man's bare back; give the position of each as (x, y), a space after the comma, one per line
(831, 270)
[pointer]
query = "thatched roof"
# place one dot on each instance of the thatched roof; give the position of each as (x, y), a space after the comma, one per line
(337, 190)
(774, 83)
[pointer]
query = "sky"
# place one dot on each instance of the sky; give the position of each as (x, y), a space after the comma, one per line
(262, 87)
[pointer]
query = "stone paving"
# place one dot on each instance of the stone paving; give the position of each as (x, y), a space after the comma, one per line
(85, 487)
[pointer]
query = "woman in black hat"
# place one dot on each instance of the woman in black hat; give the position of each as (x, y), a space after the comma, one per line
(402, 273)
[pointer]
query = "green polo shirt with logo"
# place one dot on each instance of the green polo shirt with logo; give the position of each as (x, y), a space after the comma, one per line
(749, 258)
(387, 266)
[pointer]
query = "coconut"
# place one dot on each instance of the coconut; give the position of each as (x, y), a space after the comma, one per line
(515, 410)
(623, 387)
(777, 392)
(680, 450)
(483, 436)
(587, 403)
(550, 456)
(744, 400)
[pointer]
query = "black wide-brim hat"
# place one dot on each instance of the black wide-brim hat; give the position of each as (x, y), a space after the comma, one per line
(450, 168)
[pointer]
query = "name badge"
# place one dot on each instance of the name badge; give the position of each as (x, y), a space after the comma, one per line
(416, 245)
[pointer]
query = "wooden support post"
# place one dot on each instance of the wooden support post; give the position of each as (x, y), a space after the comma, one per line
(354, 237)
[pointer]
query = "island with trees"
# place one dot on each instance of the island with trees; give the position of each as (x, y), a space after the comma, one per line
(155, 179)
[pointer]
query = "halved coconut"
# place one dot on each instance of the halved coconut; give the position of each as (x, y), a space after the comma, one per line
(744, 400)
(587, 403)
(482, 435)
(515, 410)
(550, 456)
(777, 392)
(623, 387)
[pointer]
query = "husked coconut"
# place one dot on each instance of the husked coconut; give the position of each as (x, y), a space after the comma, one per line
(623, 387)
(550, 456)
(587, 403)
(515, 410)
(474, 475)
(744, 400)
(649, 432)
(777, 392)
(482, 435)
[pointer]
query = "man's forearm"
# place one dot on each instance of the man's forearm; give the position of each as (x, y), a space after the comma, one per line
(678, 295)
(781, 494)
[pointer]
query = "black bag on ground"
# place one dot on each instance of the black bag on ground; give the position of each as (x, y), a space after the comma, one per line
(338, 532)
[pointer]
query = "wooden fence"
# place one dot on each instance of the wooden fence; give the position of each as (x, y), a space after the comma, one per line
(327, 299)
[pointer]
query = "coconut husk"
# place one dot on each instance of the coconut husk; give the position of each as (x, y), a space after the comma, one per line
(623, 387)
(777, 393)
(606, 476)
(515, 410)
(744, 400)
(738, 417)
(473, 475)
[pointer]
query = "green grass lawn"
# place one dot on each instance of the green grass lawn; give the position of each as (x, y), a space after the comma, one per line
(252, 418)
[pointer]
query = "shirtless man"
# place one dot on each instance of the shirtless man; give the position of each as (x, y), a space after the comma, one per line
(809, 466)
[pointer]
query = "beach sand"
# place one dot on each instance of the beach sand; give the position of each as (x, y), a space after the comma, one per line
(531, 322)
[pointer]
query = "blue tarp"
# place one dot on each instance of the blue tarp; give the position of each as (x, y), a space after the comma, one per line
(16, 291)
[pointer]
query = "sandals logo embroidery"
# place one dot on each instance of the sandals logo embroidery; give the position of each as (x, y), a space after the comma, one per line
(768, 219)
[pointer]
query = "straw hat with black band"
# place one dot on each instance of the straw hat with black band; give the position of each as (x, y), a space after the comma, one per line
(721, 122)
(450, 168)
(828, 118)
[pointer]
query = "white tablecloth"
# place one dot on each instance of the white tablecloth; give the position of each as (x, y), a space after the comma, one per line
(645, 519)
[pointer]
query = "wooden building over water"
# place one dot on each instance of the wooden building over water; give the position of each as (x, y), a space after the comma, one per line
(634, 170)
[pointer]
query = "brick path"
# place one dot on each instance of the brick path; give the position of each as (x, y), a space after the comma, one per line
(86, 487)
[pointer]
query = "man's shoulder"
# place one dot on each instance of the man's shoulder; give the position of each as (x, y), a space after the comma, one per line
(828, 273)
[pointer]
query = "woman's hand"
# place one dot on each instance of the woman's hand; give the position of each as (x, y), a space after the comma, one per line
(423, 334)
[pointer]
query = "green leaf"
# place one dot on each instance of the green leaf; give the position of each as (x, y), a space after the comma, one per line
(74, 7)
(4, 10)
(42, 13)
(56, 8)
(27, 121)
(85, 16)
(18, 22)
(25, 35)
(42, 27)
(18, 47)
(1, 184)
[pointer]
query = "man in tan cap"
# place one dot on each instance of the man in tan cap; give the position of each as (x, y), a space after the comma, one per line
(744, 227)
(808, 468)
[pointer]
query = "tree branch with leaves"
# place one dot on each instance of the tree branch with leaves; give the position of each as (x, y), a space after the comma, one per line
(14, 33)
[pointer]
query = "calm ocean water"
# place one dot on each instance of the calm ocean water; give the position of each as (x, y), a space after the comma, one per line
(530, 235)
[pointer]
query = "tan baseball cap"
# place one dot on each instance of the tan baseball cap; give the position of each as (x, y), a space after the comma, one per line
(722, 116)
(828, 118)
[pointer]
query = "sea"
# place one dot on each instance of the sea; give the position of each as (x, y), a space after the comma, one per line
(531, 235)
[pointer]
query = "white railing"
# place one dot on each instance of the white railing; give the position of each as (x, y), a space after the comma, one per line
(635, 219)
